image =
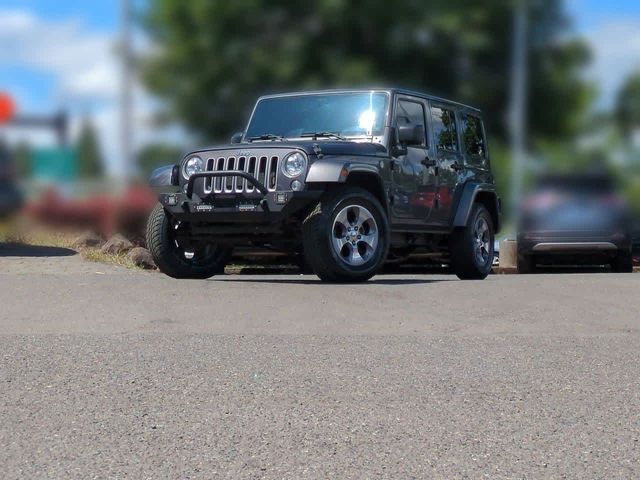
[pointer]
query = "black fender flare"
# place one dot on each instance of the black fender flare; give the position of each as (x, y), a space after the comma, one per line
(469, 194)
(337, 170)
(165, 179)
(344, 170)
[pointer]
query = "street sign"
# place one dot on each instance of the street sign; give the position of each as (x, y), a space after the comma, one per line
(54, 164)
(7, 108)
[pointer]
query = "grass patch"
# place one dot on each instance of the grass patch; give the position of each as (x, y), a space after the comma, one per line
(95, 255)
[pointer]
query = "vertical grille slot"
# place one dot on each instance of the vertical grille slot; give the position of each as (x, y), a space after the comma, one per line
(208, 182)
(251, 170)
(273, 173)
(262, 170)
(228, 181)
(239, 182)
(218, 180)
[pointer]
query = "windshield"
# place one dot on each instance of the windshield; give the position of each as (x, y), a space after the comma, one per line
(357, 114)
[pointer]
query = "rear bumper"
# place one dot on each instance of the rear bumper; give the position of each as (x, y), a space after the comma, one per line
(573, 247)
(573, 242)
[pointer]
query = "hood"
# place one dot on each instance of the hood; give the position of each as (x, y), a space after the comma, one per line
(323, 147)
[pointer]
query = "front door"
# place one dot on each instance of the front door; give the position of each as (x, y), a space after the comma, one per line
(413, 182)
(449, 159)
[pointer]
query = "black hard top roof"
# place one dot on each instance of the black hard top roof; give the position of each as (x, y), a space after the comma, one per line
(397, 91)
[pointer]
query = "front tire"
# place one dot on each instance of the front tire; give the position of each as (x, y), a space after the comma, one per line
(346, 237)
(472, 247)
(176, 261)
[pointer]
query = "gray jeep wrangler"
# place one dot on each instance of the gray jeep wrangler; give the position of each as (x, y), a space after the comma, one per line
(346, 180)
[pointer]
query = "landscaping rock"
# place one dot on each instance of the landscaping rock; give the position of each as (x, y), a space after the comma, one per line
(116, 245)
(142, 258)
(88, 239)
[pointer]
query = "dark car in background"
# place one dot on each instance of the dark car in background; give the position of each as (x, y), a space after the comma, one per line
(575, 219)
(10, 197)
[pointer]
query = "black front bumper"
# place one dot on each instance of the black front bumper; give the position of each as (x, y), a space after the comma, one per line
(238, 208)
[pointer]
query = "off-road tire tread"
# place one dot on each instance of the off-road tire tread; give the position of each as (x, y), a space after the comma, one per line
(167, 262)
(462, 256)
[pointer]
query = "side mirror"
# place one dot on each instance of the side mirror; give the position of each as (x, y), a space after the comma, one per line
(237, 137)
(411, 135)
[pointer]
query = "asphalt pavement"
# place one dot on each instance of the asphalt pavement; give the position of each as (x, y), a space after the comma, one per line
(114, 373)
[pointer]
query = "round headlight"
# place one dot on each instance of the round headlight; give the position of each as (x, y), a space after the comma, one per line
(191, 166)
(294, 164)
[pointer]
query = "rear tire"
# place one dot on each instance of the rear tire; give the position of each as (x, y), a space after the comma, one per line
(172, 260)
(623, 263)
(346, 237)
(472, 247)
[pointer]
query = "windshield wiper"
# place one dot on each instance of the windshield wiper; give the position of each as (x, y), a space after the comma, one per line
(317, 135)
(266, 136)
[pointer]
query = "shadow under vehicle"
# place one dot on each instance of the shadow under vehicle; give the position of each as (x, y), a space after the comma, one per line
(345, 179)
(575, 219)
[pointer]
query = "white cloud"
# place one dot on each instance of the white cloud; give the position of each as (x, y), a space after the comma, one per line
(86, 72)
(615, 45)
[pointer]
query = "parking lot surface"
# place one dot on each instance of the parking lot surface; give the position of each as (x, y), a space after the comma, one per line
(115, 373)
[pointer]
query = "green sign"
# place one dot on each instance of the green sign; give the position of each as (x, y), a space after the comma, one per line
(54, 164)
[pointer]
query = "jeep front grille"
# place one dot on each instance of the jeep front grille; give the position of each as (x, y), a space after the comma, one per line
(264, 168)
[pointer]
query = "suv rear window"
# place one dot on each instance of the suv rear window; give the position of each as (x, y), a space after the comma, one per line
(444, 129)
(472, 136)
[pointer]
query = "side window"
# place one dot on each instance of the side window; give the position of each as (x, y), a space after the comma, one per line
(410, 113)
(444, 129)
(472, 136)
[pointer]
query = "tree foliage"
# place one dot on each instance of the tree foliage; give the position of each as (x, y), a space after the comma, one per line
(216, 56)
(90, 163)
(156, 155)
(628, 105)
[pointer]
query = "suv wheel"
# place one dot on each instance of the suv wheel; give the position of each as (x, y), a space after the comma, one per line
(623, 263)
(346, 237)
(471, 247)
(176, 261)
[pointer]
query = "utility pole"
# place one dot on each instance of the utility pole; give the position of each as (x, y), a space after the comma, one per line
(126, 133)
(518, 106)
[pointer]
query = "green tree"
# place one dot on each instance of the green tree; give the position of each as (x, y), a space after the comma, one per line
(156, 155)
(628, 105)
(216, 56)
(89, 158)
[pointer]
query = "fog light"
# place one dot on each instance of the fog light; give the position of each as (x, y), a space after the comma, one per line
(172, 200)
(296, 185)
(281, 198)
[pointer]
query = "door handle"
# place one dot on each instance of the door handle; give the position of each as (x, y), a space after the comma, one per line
(457, 166)
(427, 162)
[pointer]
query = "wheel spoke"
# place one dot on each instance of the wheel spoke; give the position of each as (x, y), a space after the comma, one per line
(343, 219)
(371, 239)
(354, 257)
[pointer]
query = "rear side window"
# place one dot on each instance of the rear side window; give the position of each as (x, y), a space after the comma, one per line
(410, 113)
(472, 136)
(444, 129)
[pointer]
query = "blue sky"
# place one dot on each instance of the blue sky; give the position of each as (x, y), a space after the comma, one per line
(56, 53)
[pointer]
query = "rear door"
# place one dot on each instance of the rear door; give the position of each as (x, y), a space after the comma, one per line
(449, 159)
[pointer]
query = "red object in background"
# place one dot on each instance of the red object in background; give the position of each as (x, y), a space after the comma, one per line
(103, 214)
(7, 108)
